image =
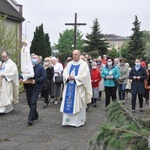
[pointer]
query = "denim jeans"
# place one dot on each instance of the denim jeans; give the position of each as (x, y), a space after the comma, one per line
(121, 91)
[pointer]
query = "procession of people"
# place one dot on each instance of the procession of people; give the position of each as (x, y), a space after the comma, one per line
(76, 85)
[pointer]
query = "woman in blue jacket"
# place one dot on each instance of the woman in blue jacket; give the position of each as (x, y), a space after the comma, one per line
(110, 74)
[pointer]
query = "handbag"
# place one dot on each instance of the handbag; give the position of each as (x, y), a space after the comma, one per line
(59, 79)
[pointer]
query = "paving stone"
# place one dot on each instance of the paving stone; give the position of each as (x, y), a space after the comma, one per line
(47, 133)
(8, 145)
(59, 145)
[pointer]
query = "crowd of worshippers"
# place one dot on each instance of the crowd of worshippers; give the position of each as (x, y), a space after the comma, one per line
(77, 85)
(114, 76)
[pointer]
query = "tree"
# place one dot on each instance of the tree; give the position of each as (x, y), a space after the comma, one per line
(40, 44)
(95, 40)
(146, 40)
(136, 44)
(9, 40)
(66, 41)
(49, 49)
(121, 130)
(113, 53)
(123, 50)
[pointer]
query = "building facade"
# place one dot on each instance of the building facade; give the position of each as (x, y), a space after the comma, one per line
(115, 41)
(12, 12)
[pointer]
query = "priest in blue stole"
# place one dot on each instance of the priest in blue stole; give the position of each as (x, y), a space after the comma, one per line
(77, 91)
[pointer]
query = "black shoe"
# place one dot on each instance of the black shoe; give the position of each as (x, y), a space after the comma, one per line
(87, 107)
(141, 110)
(45, 105)
(95, 105)
(1, 114)
(48, 101)
(99, 98)
(30, 122)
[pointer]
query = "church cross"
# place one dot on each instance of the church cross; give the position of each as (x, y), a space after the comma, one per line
(75, 28)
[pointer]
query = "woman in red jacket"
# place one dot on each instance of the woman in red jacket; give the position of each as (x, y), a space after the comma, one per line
(95, 79)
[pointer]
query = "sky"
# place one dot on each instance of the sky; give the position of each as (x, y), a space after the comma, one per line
(114, 16)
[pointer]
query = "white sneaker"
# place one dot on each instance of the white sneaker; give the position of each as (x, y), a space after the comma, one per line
(52, 100)
(56, 102)
(123, 101)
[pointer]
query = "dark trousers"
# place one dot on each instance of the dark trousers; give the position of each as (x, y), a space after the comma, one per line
(100, 94)
(46, 96)
(32, 97)
(121, 91)
(133, 101)
(94, 100)
(110, 92)
(146, 94)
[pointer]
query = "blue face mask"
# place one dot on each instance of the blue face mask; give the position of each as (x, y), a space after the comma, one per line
(34, 61)
(137, 64)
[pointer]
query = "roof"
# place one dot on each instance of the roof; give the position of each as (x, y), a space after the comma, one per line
(113, 37)
(7, 9)
(117, 39)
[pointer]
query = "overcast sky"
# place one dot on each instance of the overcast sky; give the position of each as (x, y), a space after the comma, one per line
(114, 16)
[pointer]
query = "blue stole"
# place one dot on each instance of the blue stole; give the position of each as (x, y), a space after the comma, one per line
(2, 69)
(70, 91)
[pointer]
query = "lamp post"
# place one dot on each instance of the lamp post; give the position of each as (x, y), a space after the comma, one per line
(26, 28)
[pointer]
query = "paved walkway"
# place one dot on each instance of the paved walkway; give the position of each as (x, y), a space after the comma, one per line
(47, 132)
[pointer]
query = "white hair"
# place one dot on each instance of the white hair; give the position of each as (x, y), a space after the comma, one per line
(53, 58)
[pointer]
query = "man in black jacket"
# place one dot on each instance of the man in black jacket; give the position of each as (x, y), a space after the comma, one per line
(33, 88)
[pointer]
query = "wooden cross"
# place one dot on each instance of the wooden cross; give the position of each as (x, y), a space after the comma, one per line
(75, 28)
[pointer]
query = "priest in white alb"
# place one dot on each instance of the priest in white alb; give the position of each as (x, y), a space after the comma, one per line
(77, 91)
(9, 84)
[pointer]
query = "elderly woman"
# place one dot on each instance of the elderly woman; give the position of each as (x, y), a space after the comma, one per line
(122, 81)
(47, 83)
(56, 87)
(128, 86)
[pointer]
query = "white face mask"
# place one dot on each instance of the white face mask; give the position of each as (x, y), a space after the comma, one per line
(149, 68)
(46, 63)
(138, 64)
(109, 63)
(93, 67)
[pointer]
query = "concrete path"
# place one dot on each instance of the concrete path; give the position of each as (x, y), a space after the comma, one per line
(47, 133)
